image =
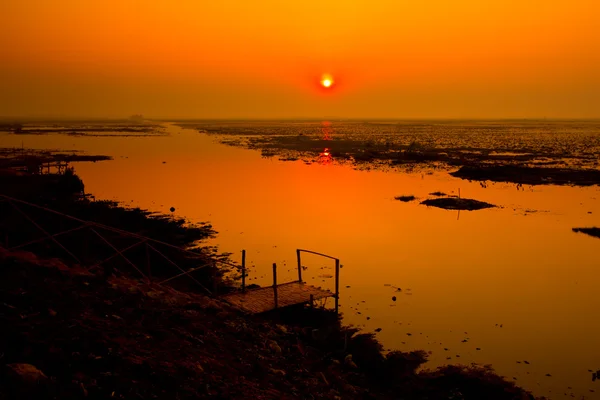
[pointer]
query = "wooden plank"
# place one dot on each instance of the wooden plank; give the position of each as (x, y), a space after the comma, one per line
(261, 300)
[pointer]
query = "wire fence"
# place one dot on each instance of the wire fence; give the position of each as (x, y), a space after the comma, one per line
(28, 226)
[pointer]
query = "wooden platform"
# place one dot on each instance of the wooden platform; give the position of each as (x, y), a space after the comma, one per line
(256, 301)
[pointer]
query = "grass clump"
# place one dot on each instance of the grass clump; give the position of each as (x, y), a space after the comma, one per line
(405, 199)
(456, 203)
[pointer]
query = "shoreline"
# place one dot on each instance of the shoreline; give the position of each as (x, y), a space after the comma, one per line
(95, 172)
(366, 352)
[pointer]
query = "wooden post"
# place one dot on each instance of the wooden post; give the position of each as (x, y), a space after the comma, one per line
(299, 266)
(312, 301)
(244, 270)
(86, 247)
(337, 285)
(214, 276)
(275, 283)
(148, 269)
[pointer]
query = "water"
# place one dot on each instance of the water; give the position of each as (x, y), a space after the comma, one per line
(462, 275)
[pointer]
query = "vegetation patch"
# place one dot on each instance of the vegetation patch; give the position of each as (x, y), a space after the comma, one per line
(405, 199)
(594, 232)
(525, 175)
(455, 203)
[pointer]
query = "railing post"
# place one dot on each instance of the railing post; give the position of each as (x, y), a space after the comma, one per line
(244, 270)
(275, 283)
(214, 278)
(148, 268)
(337, 285)
(299, 265)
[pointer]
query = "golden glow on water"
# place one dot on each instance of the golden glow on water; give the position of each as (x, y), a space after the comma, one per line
(472, 272)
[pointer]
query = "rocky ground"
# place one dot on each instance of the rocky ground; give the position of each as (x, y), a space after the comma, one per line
(68, 333)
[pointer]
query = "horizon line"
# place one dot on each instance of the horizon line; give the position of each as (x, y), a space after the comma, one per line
(316, 118)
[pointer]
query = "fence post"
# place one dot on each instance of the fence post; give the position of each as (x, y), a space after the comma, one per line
(299, 266)
(337, 285)
(244, 270)
(275, 283)
(148, 268)
(214, 276)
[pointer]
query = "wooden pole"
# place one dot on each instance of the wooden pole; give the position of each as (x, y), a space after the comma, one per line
(275, 283)
(337, 285)
(244, 270)
(299, 266)
(214, 278)
(148, 268)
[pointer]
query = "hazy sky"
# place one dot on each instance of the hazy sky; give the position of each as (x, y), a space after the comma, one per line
(265, 58)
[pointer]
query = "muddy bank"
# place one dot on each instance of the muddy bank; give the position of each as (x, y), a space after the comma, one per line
(83, 128)
(88, 232)
(594, 232)
(38, 161)
(456, 203)
(525, 175)
(69, 333)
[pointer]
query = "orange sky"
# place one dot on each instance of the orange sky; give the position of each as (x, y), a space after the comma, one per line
(264, 58)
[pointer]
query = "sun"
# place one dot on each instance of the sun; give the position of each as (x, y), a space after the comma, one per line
(326, 81)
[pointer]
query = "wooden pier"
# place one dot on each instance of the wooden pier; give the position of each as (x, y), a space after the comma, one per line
(256, 301)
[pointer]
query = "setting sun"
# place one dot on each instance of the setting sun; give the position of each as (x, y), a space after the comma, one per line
(326, 81)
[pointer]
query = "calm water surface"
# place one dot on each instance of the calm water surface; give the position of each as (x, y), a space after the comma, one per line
(515, 281)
